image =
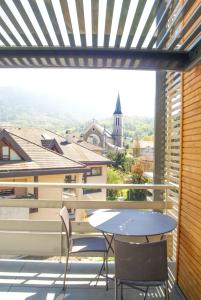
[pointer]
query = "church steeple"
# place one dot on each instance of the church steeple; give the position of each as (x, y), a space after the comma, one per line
(118, 107)
(118, 124)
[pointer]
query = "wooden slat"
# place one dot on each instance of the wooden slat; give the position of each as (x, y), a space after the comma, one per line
(191, 138)
(190, 175)
(192, 132)
(192, 125)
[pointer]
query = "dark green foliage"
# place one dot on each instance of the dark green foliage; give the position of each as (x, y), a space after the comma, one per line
(138, 195)
(133, 126)
(122, 161)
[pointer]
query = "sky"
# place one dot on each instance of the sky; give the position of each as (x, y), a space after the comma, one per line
(90, 93)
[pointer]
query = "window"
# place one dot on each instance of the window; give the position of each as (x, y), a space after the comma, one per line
(96, 171)
(70, 179)
(8, 153)
(91, 191)
(14, 155)
(5, 153)
(6, 191)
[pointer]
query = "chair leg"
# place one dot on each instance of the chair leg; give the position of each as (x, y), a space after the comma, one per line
(101, 270)
(166, 291)
(116, 289)
(121, 291)
(106, 270)
(66, 270)
(146, 293)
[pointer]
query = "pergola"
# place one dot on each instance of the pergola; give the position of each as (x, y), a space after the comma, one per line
(124, 34)
(138, 35)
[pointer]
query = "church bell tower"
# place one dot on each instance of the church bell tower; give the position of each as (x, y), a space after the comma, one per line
(118, 124)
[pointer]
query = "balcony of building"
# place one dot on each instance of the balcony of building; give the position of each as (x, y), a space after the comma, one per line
(32, 262)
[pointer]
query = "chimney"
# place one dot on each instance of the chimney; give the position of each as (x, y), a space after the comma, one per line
(69, 136)
(81, 139)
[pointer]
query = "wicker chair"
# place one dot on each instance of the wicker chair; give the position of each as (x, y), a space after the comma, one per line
(83, 244)
(141, 266)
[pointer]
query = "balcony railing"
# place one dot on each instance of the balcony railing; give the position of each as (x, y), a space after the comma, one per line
(46, 237)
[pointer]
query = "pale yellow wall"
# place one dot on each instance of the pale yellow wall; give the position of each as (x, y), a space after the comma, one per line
(52, 194)
(15, 212)
(97, 179)
(49, 194)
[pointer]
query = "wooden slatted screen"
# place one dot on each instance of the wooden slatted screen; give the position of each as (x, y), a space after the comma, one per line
(172, 143)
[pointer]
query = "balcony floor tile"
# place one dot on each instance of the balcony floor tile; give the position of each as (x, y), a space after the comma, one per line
(39, 280)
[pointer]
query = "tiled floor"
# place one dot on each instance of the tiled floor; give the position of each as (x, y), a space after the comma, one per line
(39, 280)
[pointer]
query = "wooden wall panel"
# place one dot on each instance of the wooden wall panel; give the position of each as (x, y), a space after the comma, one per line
(189, 250)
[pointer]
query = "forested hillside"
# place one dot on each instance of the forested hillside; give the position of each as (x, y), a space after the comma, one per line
(35, 110)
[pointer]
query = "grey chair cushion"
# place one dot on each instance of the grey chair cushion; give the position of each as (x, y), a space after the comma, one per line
(88, 244)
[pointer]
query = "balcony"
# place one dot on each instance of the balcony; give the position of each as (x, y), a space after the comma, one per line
(30, 275)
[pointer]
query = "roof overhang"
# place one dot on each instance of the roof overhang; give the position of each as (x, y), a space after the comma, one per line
(149, 35)
(98, 163)
(99, 58)
(41, 172)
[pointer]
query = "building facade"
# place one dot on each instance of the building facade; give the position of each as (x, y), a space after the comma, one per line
(39, 155)
(100, 136)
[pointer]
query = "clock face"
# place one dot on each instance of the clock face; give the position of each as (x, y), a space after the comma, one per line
(93, 139)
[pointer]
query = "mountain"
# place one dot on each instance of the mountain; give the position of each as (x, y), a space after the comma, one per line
(21, 107)
(33, 110)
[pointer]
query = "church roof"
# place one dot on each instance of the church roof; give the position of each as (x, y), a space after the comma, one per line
(100, 128)
(118, 107)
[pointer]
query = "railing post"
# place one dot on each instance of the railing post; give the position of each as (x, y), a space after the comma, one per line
(80, 214)
(159, 134)
(61, 228)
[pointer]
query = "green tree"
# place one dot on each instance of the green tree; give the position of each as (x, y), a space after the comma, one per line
(113, 176)
(122, 161)
(137, 177)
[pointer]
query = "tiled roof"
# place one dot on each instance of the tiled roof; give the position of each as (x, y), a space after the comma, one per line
(89, 146)
(41, 158)
(100, 128)
(70, 150)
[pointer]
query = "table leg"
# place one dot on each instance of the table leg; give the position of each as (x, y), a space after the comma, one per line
(109, 242)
